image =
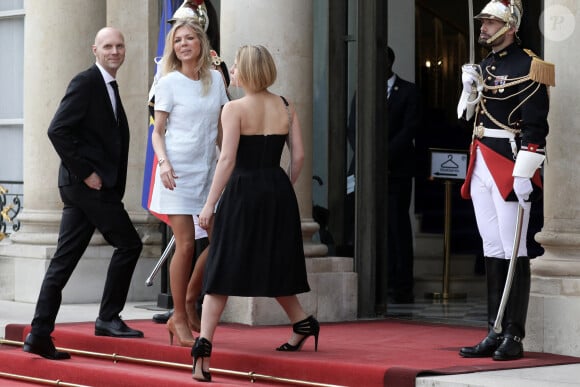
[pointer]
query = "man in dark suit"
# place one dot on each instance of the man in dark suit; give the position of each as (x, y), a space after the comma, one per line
(90, 133)
(403, 120)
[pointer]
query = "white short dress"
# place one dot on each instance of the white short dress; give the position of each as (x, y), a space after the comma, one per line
(190, 141)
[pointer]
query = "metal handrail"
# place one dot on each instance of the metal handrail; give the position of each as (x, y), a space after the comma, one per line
(251, 376)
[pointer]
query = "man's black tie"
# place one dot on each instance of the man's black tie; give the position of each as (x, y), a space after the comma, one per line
(119, 107)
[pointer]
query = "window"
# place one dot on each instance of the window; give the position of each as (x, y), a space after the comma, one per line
(11, 98)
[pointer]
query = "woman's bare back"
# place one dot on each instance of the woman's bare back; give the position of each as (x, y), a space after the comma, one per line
(262, 113)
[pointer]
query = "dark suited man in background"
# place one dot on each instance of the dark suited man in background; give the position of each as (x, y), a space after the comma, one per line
(404, 119)
(90, 133)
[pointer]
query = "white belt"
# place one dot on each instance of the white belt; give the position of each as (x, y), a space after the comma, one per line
(480, 132)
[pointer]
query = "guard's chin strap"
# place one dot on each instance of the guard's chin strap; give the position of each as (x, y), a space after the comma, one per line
(499, 33)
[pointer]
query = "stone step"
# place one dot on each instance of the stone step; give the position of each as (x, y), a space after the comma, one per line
(429, 257)
(470, 286)
(459, 264)
(429, 266)
(333, 296)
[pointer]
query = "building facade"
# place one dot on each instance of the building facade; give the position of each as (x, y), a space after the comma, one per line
(325, 49)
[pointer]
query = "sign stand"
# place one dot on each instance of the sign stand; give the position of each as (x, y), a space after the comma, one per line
(447, 165)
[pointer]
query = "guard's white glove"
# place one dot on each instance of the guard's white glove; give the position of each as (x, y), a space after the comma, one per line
(522, 188)
(469, 80)
(470, 77)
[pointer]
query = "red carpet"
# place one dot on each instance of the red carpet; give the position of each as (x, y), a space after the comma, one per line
(363, 353)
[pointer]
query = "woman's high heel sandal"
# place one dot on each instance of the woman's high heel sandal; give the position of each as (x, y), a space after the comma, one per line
(183, 335)
(200, 350)
(307, 327)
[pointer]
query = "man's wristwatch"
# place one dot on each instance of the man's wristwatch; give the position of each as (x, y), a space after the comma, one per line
(161, 161)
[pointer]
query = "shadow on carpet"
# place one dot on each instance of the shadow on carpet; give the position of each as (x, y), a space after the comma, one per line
(362, 353)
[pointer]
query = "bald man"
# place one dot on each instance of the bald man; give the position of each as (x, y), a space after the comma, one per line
(90, 133)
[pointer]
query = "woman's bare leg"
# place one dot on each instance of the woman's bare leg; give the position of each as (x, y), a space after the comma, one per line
(295, 313)
(179, 269)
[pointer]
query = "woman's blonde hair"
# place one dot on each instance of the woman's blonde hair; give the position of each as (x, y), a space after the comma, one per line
(256, 67)
(170, 61)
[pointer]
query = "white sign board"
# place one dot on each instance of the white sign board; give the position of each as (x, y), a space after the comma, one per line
(448, 164)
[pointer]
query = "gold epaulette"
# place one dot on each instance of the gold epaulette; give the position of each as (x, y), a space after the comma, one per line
(541, 71)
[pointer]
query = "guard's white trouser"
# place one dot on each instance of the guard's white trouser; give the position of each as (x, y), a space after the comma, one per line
(496, 218)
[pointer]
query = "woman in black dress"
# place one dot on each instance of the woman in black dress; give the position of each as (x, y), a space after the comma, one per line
(256, 249)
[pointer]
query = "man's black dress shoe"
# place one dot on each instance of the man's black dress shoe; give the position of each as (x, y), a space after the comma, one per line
(44, 347)
(115, 328)
(161, 318)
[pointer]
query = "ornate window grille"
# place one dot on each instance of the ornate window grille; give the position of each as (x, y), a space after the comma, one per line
(10, 205)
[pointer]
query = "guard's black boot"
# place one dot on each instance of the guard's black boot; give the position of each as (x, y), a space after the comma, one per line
(485, 348)
(511, 348)
(496, 271)
(514, 322)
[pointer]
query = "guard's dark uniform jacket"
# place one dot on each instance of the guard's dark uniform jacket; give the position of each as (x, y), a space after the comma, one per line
(514, 100)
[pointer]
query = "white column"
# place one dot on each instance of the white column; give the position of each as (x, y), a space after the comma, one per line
(58, 40)
(285, 28)
(139, 22)
(51, 57)
(553, 323)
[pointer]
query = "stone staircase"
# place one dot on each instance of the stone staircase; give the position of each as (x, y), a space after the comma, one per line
(333, 296)
(428, 268)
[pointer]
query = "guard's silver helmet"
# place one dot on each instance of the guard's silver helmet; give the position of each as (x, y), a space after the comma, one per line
(194, 9)
(507, 11)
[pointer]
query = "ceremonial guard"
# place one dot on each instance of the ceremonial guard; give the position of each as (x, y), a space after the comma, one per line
(506, 98)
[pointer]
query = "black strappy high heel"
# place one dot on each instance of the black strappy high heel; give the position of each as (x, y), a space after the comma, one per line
(201, 349)
(307, 327)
